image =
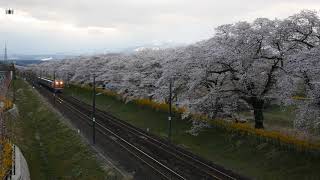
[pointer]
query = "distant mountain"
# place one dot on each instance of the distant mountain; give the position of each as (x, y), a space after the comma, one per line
(24, 60)
(27, 62)
(65, 55)
(153, 46)
(47, 59)
(36, 56)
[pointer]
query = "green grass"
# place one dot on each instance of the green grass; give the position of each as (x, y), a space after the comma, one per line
(241, 154)
(52, 150)
(279, 116)
(275, 117)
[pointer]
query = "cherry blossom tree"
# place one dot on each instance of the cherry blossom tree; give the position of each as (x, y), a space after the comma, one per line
(241, 66)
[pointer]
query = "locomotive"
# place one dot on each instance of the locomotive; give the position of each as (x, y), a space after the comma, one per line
(52, 85)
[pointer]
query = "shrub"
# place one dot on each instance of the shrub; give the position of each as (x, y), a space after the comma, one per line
(6, 158)
(273, 137)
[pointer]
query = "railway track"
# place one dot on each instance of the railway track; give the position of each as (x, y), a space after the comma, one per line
(177, 158)
(157, 166)
(167, 160)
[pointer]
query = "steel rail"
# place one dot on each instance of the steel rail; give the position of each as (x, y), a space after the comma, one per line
(84, 116)
(190, 160)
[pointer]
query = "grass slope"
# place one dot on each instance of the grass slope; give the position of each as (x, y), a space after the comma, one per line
(52, 150)
(276, 117)
(243, 155)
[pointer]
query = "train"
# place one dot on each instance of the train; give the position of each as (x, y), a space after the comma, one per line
(53, 85)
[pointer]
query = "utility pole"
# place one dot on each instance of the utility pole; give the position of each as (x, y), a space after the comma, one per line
(13, 85)
(94, 110)
(69, 75)
(54, 87)
(170, 110)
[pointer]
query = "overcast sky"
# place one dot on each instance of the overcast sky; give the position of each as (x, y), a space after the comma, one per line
(86, 26)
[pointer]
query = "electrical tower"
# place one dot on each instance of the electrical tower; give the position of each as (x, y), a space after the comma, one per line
(9, 11)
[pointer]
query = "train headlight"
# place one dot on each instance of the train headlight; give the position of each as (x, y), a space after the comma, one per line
(57, 83)
(61, 82)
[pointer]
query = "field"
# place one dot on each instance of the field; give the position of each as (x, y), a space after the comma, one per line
(51, 148)
(241, 154)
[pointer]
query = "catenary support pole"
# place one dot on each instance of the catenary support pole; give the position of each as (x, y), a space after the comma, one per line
(54, 87)
(94, 111)
(170, 110)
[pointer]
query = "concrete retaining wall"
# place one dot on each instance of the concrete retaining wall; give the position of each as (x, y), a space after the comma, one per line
(20, 170)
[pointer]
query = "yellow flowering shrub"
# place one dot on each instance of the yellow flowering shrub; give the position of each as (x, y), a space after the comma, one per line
(273, 137)
(8, 104)
(162, 106)
(6, 158)
(299, 97)
(154, 105)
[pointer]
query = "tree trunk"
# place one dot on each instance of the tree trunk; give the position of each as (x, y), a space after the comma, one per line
(257, 105)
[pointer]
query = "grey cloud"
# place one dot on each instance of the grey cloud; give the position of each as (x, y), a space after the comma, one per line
(139, 21)
(138, 12)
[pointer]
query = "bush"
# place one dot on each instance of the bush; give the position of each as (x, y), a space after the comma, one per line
(273, 137)
(6, 158)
